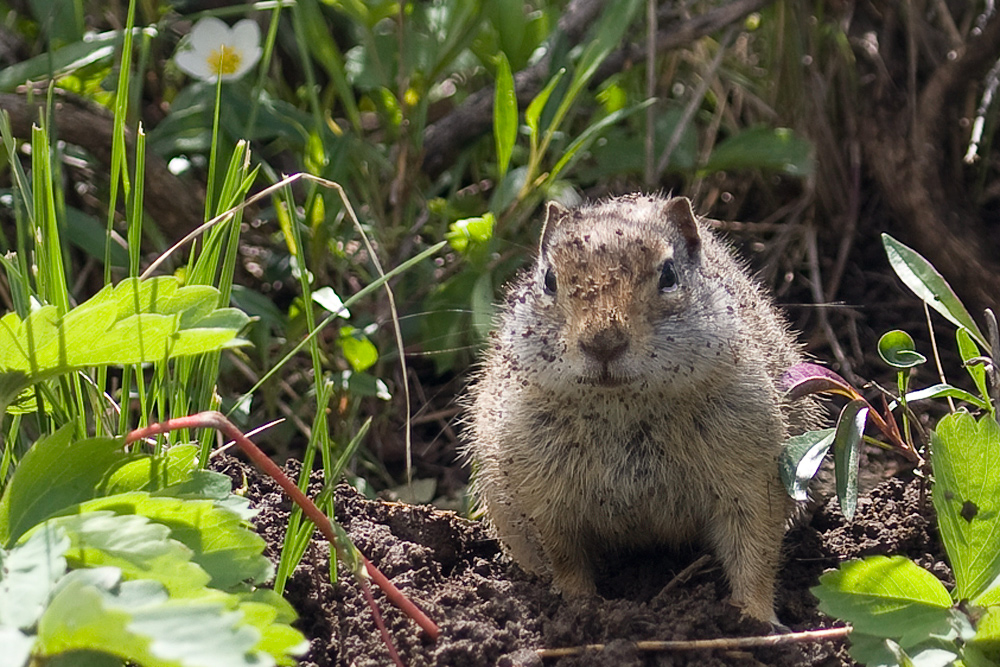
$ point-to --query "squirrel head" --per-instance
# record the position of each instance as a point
(618, 293)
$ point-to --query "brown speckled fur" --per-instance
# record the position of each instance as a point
(612, 414)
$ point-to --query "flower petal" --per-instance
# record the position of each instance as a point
(209, 33)
(245, 35)
(193, 63)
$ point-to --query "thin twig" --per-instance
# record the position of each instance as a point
(937, 355)
(723, 644)
(397, 331)
(684, 575)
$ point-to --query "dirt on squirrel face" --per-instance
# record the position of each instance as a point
(492, 613)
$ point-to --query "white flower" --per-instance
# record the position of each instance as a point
(213, 49)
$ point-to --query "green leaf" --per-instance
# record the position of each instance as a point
(55, 63)
(272, 615)
(360, 352)
(846, 446)
(607, 35)
(571, 154)
(801, 457)
(28, 573)
(54, 474)
(968, 349)
(95, 610)
(924, 280)
(886, 597)
(897, 349)
(469, 234)
(935, 652)
(775, 149)
(537, 105)
(984, 648)
(221, 542)
(152, 473)
(131, 323)
(942, 391)
(966, 497)
(133, 544)
(504, 115)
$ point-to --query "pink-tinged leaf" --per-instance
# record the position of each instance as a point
(805, 378)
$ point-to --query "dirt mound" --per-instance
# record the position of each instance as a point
(492, 613)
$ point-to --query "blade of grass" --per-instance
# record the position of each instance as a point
(118, 170)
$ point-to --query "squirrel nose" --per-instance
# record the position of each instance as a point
(605, 345)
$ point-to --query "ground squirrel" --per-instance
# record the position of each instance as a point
(630, 398)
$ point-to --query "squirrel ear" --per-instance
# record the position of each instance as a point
(554, 213)
(679, 214)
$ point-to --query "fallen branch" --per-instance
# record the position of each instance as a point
(724, 644)
(218, 421)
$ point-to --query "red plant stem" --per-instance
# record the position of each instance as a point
(218, 421)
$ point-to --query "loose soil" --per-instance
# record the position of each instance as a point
(492, 613)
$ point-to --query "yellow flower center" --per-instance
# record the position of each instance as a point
(224, 60)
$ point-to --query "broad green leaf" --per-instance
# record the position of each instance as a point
(271, 615)
(967, 499)
(969, 350)
(846, 446)
(774, 149)
(897, 652)
(210, 485)
(924, 280)
(28, 573)
(55, 473)
(133, 322)
(133, 544)
(983, 649)
(152, 473)
(886, 597)
(897, 349)
(504, 115)
(221, 542)
(137, 621)
(801, 457)
(934, 652)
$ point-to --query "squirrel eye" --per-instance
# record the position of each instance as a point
(550, 282)
(668, 277)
